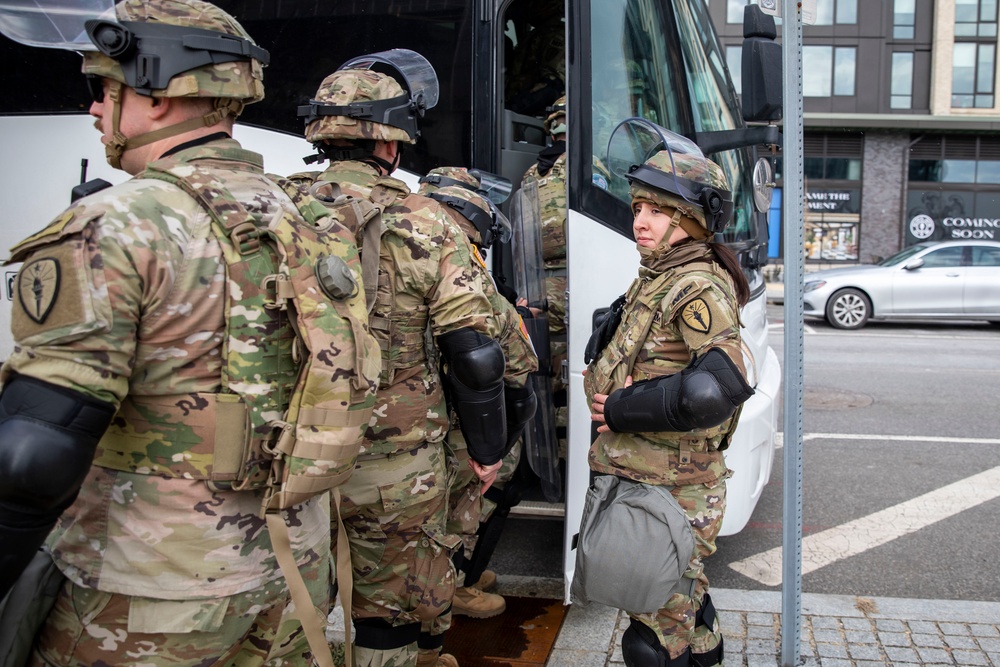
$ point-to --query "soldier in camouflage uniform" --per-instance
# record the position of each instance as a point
(430, 303)
(681, 314)
(131, 334)
(458, 189)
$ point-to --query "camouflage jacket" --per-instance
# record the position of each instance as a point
(552, 208)
(428, 284)
(138, 311)
(669, 318)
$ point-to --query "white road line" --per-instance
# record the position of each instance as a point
(779, 440)
(860, 535)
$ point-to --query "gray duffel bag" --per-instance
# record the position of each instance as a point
(634, 545)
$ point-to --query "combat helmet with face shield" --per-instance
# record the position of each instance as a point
(159, 48)
(377, 97)
(671, 172)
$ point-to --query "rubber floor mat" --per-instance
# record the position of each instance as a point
(521, 636)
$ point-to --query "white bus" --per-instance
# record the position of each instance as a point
(500, 63)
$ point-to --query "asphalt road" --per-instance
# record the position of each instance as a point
(901, 471)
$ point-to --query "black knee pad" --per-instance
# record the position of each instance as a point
(641, 648)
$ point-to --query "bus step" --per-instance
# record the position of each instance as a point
(539, 508)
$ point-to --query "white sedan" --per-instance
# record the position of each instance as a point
(930, 280)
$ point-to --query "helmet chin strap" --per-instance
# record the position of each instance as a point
(115, 149)
(675, 222)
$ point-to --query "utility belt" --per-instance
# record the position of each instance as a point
(557, 272)
(207, 436)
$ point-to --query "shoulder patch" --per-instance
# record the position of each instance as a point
(38, 287)
(697, 315)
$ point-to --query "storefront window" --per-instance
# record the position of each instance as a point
(937, 214)
(831, 224)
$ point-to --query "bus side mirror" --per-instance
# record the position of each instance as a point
(761, 67)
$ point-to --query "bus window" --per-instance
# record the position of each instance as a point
(630, 75)
(713, 102)
(534, 56)
(309, 40)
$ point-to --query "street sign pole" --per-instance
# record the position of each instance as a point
(794, 242)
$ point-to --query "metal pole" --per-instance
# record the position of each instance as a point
(794, 240)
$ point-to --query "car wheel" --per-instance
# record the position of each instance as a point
(848, 309)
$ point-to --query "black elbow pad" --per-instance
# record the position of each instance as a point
(474, 383)
(48, 435)
(521, 404)
(703, 395)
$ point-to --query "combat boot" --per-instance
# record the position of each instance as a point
(487, 581)
(432, 659)
(469, 601)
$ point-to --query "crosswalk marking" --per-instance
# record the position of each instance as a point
(779, 439)
(855, 537)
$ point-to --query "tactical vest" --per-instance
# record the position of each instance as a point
(618, 360)
(292, 447)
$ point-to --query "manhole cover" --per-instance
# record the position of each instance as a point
(834, 399)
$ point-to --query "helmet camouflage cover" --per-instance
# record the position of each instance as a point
(557, 111)
(475, 215)
(695, 168)
(440, 177)
(240, 79)
(347, 86)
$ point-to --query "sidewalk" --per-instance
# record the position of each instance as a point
(837, 631)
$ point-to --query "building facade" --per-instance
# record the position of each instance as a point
(901, 124)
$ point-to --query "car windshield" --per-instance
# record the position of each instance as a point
(902, 255)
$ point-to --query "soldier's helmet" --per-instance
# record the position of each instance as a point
(492, 186)
(161, 48)
(381, 96)
(670, 170)
(478, 217)
(555, 122)
(441, 177)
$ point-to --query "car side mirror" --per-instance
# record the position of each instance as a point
(914, 264)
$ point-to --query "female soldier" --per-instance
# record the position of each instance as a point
(679, 340)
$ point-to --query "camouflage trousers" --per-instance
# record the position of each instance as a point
(89, 627)
(467, 509)
(674, 623)
(395, 512)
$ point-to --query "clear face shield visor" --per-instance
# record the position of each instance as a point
(496, 188)
(642, 151)
(53, 24)
(416, 76)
